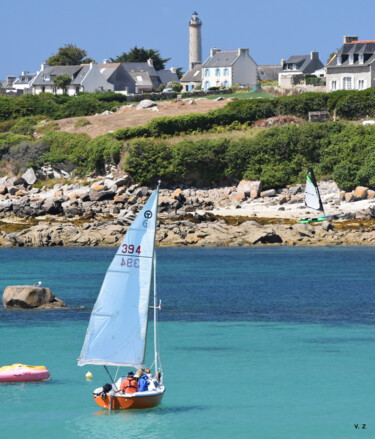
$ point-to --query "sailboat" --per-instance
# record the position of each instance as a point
(117, 331)
(313, 200)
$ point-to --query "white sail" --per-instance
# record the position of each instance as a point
(312, 196)
(116, 334)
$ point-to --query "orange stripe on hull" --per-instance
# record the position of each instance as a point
(128, 402)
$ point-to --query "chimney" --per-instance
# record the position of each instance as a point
(282, 62)
(43, 66)
(314, 55)
(105, 61)
(173, 69)
(243, 52)
(150, 62)
(213, 51)
(350, 39)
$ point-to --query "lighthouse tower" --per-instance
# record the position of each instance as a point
(195, 41)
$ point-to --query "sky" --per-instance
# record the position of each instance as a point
(32, 31)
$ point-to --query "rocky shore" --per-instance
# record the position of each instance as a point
(99, 213)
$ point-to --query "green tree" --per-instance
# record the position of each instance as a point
(141, 54)
(62, 81)
(69, 55)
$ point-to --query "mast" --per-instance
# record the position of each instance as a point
(155, 295)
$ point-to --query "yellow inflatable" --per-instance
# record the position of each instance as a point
(13, 366)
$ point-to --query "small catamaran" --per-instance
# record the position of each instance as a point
(117, 331)
(313, 200)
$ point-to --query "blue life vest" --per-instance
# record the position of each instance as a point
(142, 383)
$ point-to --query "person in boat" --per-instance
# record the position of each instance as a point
(148, 373)
(129, 385)
(143, 383)
(138, 374)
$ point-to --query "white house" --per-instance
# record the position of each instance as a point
(224, 69)
(84, 78)
(296, 67)
(24, 82)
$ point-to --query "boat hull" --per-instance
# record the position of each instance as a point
(30, 375)
(132, 401)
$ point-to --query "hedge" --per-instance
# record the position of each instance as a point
(278, 157)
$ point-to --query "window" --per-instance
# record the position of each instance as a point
(339, 60)
(206, 72)
(347, 82)
(207, 84)
(217, 72)
(360, 58)
(333, 85)
(47, 77)
(351, 59)
(361, 84)
(225, 72)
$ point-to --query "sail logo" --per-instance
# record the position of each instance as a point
(148, 214)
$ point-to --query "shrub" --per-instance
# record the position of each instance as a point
(101, 151)
(149, 161)
(81, 123)
(24, 126)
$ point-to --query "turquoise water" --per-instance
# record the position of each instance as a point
(261, 343)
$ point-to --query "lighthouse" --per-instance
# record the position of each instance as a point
(195, 41)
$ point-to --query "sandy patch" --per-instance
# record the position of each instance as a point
(130, 117)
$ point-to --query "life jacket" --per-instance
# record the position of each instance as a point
(143, 383)
(129, 385)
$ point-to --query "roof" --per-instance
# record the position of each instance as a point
(24, 78)
(77, 72)
(305, 63)
(221, 59)
(269, 72)
(166, 76)
(139, 66)
(193, 75)
(107, 69)
(142, 79)
(365, 48)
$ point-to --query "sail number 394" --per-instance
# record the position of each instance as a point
(130, 249)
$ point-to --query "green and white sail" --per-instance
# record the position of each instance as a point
(312, 195)
(116, 334)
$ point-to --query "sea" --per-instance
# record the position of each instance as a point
(274, 342)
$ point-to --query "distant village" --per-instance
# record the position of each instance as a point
(351, 68)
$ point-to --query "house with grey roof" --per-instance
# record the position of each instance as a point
(84, 78)
(353, 66)
(296, 67)
(24, 82)
(136, 77)
(192, 79)
(224, 69)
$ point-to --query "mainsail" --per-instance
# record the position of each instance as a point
(116, 334)
(312, 196)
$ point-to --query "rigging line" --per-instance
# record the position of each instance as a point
(110, 376)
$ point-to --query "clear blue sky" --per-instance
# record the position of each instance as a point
(31, 31)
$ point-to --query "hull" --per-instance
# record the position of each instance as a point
(128, 401)
(28, 375)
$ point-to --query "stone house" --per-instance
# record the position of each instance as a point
(224, 69)
(269, 72)
(296, 67)
(353, 67)
(84, 78)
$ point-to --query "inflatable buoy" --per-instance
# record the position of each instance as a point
(89, 375)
